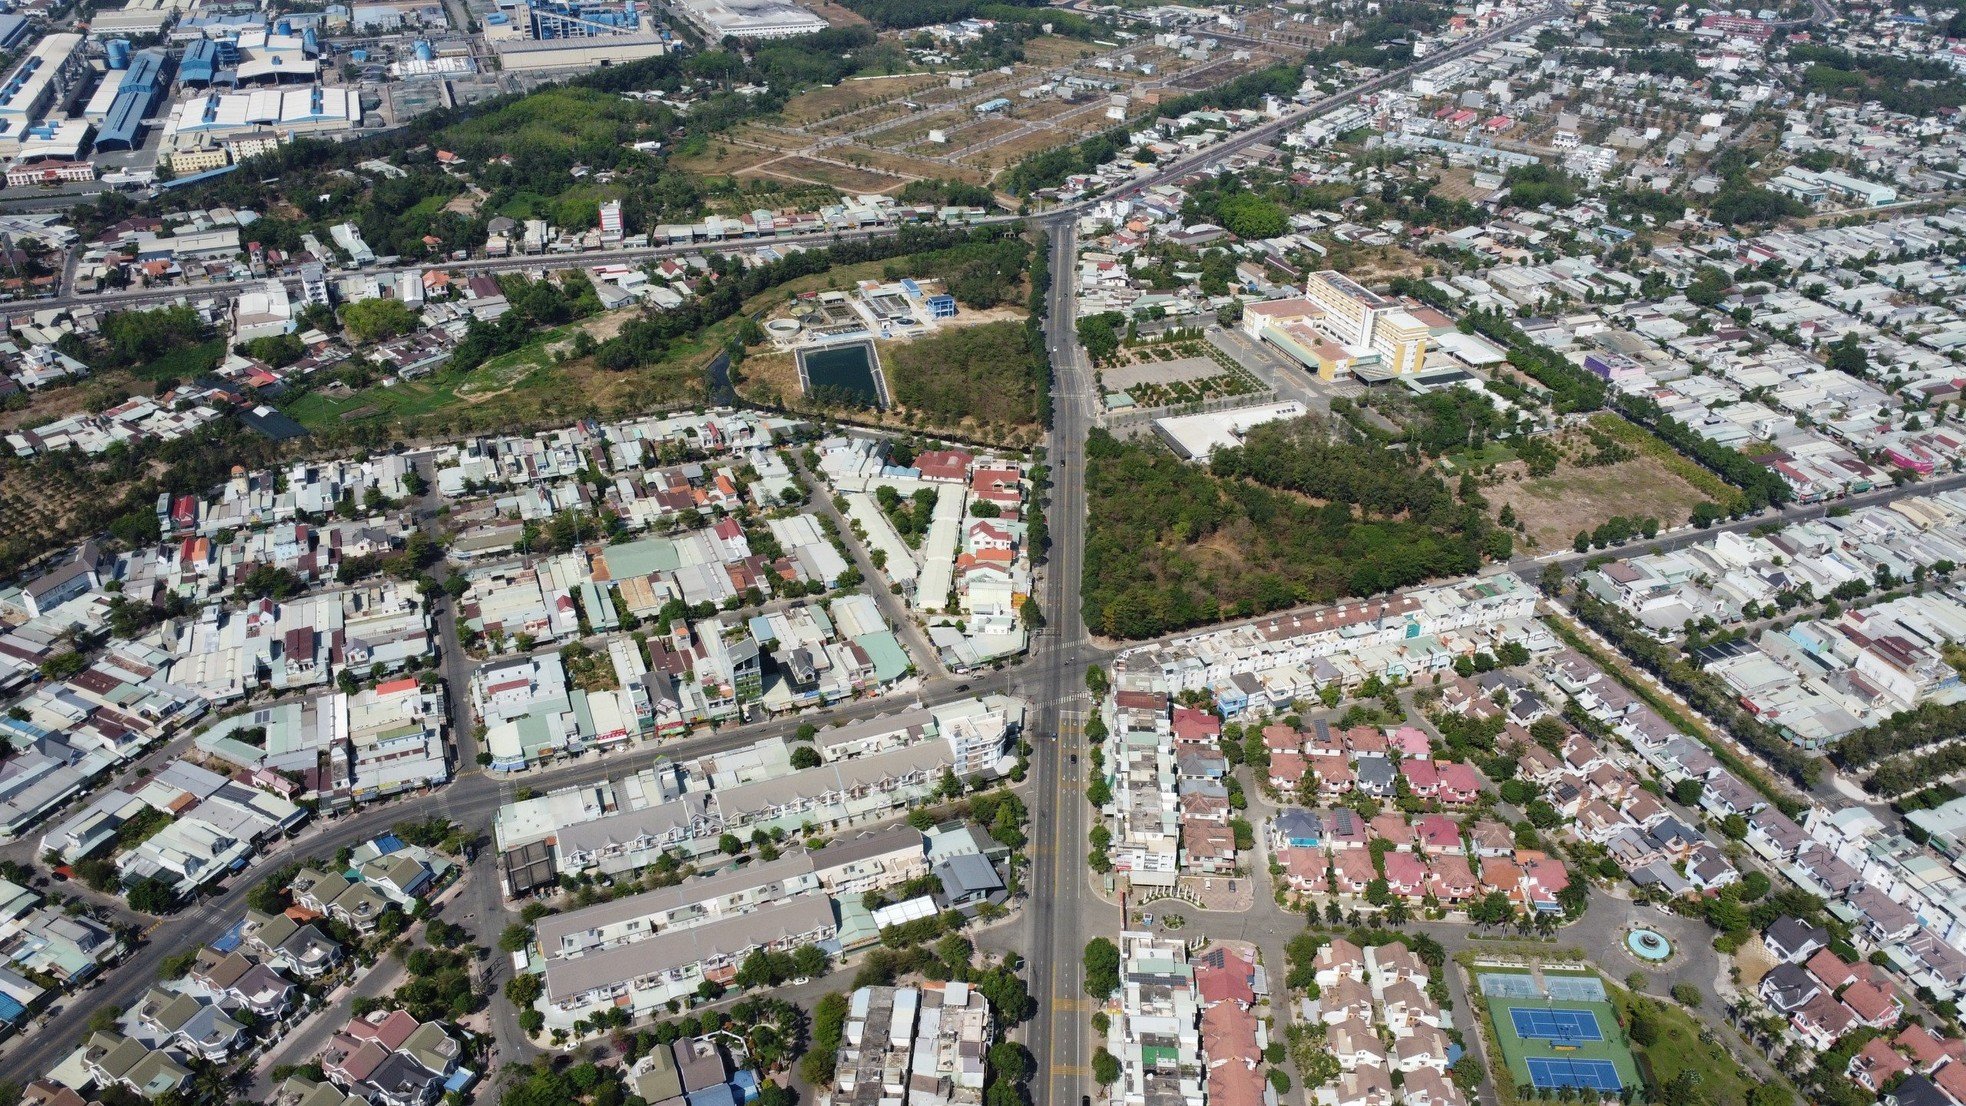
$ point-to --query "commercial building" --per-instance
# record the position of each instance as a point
(1338, 327)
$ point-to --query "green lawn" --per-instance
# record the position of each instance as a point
(185, 362)
(403, 400)
(1678, 1047)
(428, 206)
(1491, 453)
(524, 205)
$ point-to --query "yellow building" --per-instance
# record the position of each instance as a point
(1350, 309)
(1340, 328)
(199, 158)
(1401, 342)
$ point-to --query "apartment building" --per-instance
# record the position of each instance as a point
(643, 976)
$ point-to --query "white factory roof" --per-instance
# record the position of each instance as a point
(266, 107)
(32, 76)
(68, 140)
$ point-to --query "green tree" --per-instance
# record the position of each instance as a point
(152, 896)
(1105, 1067)
(376, 319)
(1102, 968)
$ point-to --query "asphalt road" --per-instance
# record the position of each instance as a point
(1062, 909)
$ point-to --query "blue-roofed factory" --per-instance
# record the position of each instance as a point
(125, 98)
(199, 66)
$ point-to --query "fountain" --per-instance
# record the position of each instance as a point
(1648, 944)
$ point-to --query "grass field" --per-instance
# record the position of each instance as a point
(527, 385)
(1678, 1047)
(1517, 1050)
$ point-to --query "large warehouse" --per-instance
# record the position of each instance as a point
(226, 115)
(43, 77)
(752, 18)
(124, 98)
(563, 34)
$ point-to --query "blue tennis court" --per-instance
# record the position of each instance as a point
(1555, 1025)
(1598, 1075)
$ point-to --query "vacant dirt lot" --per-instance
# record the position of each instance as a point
(1554, 508)
(824, 103)
(846, 178)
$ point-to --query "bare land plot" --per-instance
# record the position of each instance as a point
(1554, 508)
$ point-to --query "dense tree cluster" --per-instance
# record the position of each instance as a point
(919, 13)
(1903, 731)
(1910, 86)
(137, 337)
(1535, 185)
(996, 373)
(1290, 517)
(1739, 204)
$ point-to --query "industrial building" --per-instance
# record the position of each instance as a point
(13, 29)
(126, 96)
(565, 34)
(136, 19)
(227, 115)
(48, 74)
(216, 129)
(752, 18)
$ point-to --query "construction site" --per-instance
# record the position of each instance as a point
(875, 134)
